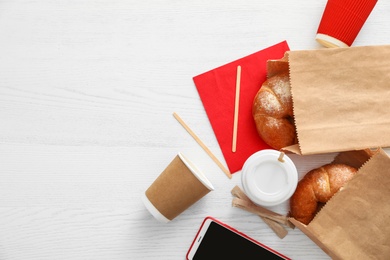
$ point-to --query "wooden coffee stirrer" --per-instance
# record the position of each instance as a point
(272, 219)
(243, 201)
(236, 106)
(225, 170)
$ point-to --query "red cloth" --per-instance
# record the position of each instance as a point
(217, 90)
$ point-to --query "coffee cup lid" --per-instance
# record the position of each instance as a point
(269, 179)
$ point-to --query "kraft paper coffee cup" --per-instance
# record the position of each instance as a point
(178, 187)
(342, 21)
(269, 177)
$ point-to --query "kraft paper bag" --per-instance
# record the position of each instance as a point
(341, 97)
(341, 104)
(354, 223)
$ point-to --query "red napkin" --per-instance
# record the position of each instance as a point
(217, 90)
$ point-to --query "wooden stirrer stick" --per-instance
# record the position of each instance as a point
(236, 106)
(197, 139)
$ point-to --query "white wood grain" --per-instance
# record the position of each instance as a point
(87, 91)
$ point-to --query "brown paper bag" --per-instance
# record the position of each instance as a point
(354, 224)
(341, 97)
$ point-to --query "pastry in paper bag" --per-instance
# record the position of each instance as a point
(340, 97)
(340, 101)
(354, 223)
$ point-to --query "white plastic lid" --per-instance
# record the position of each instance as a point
(268, 181)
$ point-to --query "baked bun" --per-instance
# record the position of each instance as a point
(272, 111)
(316, 188)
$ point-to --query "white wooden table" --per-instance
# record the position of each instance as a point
(87, 92)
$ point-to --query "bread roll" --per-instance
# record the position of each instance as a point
(272, 111)
(316, 188)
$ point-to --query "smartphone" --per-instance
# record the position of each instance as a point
(217, 240)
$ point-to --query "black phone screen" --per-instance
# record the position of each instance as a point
(222, 243)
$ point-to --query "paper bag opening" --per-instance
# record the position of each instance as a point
(340, 97)
(354, 223)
